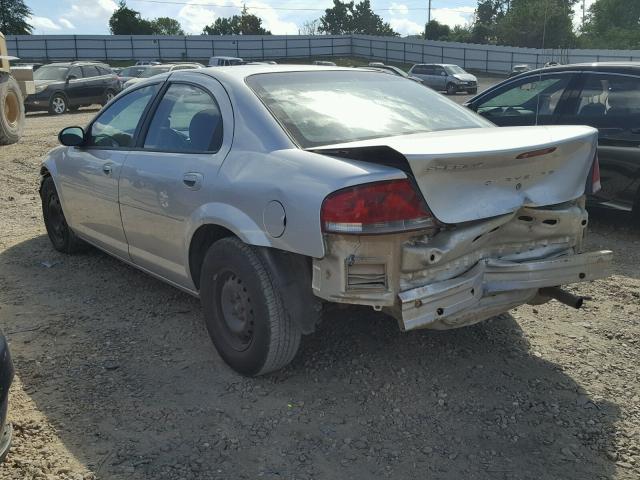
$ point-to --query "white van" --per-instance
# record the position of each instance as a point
(224, 61)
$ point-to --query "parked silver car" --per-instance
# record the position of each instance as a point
(269, 190)
(444, 77)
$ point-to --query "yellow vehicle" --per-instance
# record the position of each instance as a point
(15, 84)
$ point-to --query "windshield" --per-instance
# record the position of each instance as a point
(322, 108)
(132, 71)
(150, 72)
(397, 70)
(453, 69)
(51, 72)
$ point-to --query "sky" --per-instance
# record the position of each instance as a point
(281, 17)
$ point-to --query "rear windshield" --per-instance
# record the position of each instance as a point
(326, 107)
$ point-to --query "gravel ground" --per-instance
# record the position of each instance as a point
(116, 377)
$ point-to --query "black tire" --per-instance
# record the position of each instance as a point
(11, 110)
(473, 91)
(451, 89)
(62, 237)
(108, 95)
(74, 108)
(244, 312)
(58, 104)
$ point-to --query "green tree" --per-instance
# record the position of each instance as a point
(348, 17)
(243, 24)
(537, 24)
(166, 26)
(126, 21)
(488, 14)
(435, 30)
(14, 15)
(612, 24)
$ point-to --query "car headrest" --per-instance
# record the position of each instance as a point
(205, 130)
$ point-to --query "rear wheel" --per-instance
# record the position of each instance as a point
(244, 313)
(62, 237)
(451, 89)
(58, 104)
(11, 110)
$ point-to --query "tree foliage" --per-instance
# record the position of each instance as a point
(435, 30)
(166, 26)
(126, 21)
(612, 24)
(14, 16)
(244, 24)
(349, 17)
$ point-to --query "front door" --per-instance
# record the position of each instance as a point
(165, 182)
(89, 174)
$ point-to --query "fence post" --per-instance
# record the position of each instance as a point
(309, 45)
(286, 47)
(511, 61)
(333, 54)
(75, 46)
(106, 54)
(262, 43)
(404, 52)
(237, 48)
(370, 48)
(441, 54)
(464, 58)
(159, 51)
(213, 48)
(133, 55)
(422, 58)
(186, 50)
(386, 51)
(17, 47)
(537, 59)
(486, 61)
(46, 49)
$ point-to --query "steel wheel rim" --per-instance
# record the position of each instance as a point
(12, 109)
(236, 311)
(110, 96)
(56, 221)
(58, 105)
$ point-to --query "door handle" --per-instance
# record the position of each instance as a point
(107, 168)
(192, 180)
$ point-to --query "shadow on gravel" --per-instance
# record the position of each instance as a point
(121, 364)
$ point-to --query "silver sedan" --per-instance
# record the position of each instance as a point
(268, 191)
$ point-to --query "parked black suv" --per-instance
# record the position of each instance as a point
(602, 95)
(71, 85)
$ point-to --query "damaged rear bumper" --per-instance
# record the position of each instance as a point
(493, 286)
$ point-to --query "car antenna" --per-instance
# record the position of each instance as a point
(544, 33)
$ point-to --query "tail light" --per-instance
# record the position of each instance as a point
(593, 181)
(380, 207)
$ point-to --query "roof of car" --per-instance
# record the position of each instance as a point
(244, 71)
(616, 67)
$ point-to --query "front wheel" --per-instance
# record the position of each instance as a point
(58, 104)
(244, 312)
(451, 89)
(473, 91)
(62, 237)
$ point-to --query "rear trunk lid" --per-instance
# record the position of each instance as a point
(470, 174)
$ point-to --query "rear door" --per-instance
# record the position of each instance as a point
(93, 84)
(532, 100)
(611, 103)
(172, 172)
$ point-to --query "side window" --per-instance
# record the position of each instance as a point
(609, 96)
(75, 72)
(187, 119)
(116, 126)
(526, 98)
(90, 71)
(104, 71)
(428, 70)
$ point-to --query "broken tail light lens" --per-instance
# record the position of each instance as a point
(372, 208)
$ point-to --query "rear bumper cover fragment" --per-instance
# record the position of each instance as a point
(467, 293)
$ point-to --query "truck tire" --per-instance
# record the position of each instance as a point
(11, 110)
(244, 312)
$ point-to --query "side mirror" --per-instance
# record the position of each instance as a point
(71, 136)
(71, 77)
(443, 74)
